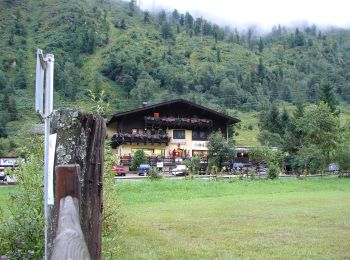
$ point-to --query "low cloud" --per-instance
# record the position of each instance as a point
(261, 14)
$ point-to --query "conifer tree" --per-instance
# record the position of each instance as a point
(327, 95)
(261, 45)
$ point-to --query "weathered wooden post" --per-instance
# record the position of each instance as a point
(80, 140)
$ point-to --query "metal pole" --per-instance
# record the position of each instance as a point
(48, 110)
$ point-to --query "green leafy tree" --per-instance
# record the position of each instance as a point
(194, 164)
(69, 80)
(320, 136)
(270, 139)
(219, 150)
(271, 120)
(273, 159)
(138, 158)
(145, 88)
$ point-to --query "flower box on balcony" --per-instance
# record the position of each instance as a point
(123, 138)
(178, 122)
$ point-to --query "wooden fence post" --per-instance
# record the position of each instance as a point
(80, 139)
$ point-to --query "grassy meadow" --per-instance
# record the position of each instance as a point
(196, 219)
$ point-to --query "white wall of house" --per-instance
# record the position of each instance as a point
(187, 143)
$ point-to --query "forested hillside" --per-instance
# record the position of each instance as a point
(112, 52)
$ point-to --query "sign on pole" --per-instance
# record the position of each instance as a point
(44, 71)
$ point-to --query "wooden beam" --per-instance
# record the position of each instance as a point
(69, 242)
(67, 183)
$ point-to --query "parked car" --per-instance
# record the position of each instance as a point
(179, 170)
(144, 169)
(119, 170)
(240, 167)
(3, 176)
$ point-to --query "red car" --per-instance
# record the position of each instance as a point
(119, 170)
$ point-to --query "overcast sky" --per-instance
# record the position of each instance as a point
(263, 13)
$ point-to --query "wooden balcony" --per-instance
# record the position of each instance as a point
(127, 138)
(173, 122)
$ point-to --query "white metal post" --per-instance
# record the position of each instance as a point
(49, 58)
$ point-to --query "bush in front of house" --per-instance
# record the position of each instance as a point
(154, 174)
(194, 164)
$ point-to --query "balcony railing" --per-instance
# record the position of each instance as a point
(152, 160)
(178, 122)
(124, 138)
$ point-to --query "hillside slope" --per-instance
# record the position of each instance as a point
(135, 56)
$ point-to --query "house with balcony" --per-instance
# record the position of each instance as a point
(170, 131)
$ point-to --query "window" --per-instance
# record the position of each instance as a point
(179, 134)
(199, 135)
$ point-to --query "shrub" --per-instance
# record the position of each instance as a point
(252, 173)
(273, 171)
(194, 164)
(154, 174)
(22, 228)
(113, 217)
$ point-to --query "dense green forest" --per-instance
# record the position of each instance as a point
(113, 53)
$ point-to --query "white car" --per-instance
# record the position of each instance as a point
(179, 170)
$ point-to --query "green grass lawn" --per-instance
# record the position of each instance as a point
(4, 191)
(196, 219)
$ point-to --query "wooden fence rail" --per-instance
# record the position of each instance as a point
(69, 242)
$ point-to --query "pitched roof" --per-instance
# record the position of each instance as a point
(230, 119)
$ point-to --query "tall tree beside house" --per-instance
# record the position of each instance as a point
(219, 150)
(138, 158)
(319, 129)
(342, 152)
